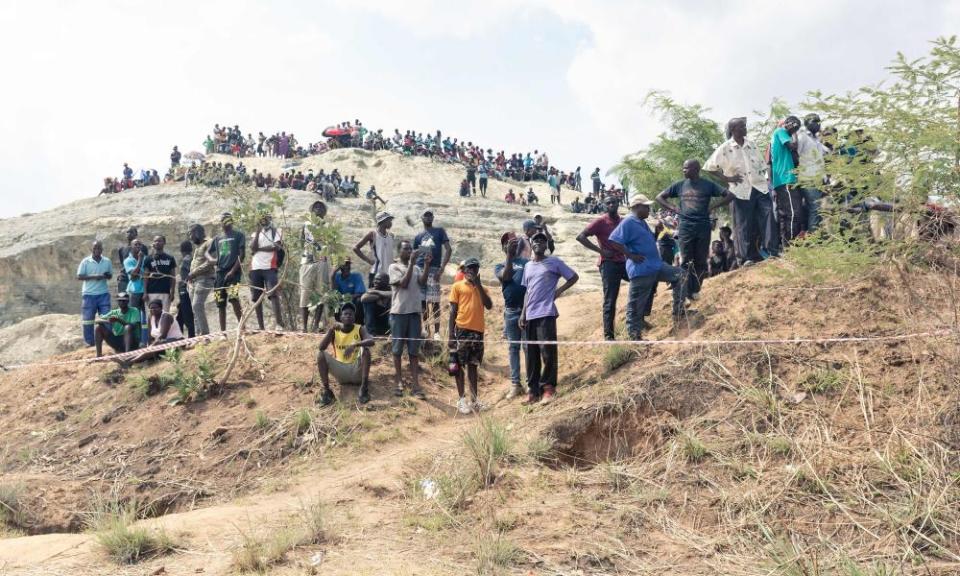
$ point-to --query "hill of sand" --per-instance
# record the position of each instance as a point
(39, 253)
(706, 459)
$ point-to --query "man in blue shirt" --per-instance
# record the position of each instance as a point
(644, 266)
(435, 238)
(94, 271)
(351, 285)
(694, 195)
(783, 178)
(510, 275)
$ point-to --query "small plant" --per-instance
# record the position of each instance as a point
(313, 520)
(694, 450)
(125, 543)
(617, 477)
(12, 513)
(779, 445)
(488, 445)
(495, 555)
(540, 448)
(824, 381)
(257, 555)
(263, 421)
(302, 420)
(616, 356)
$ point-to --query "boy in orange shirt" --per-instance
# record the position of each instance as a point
(468, 299)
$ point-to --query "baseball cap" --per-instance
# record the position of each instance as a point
(507, 236)
(349, 305)
(383, 217)
(123, 296)
(425, 212)
(539, 235)
(639, 199)
(528, 224)
(471, 262)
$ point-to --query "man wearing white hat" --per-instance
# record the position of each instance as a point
(634, 239)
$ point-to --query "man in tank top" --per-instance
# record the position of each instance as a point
(350, 361)
(381, 243)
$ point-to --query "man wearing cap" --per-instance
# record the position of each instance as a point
(200, 279)
(122, 254)
(381, 242)
(468, 300)
(539, 317)
(434, 240)
(93, 271)
(350, 361)
(813, 170)
(314, 269)
(227, 250)
(265, 249)
(612, 263)
(738, 163)
(119, 328)
(694, 194)
(636, 242)
(510, 275)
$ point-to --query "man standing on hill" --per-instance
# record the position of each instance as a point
(265, 248)
(738, 163)
(694, 194)
(539, 318)
(314, 270)
(160, 273)
(407, 280)
(184, 306)
(227, 250)
(174, 158)
(381, 244)
(122, 254)
(468, 299)
(783, 164)
(597, 184)
(432, 240)
(636, 242)
(133, 265)
(613, 267)
(201, 277)
(510, 275)
(813, 170)
(472, 177)
(94, 271)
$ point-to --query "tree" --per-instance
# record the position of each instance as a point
(689, 134)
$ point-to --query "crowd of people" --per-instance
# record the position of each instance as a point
(774, 200)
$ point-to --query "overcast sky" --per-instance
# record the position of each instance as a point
(90, 85)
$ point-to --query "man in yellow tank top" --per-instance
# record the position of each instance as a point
(350, 361)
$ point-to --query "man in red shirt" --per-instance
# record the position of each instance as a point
(613, 266)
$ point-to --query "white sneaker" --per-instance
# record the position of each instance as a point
(436, 337)
(515, 390)
(463, 406)
(695, 296)
(478, 406)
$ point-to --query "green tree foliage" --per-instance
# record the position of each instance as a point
(903, 135)
(689, 134)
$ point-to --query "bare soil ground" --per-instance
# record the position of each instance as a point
(707, 459)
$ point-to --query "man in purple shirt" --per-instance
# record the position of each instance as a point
(539, 317)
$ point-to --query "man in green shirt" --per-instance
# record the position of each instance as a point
(783, 178)
(120, 327)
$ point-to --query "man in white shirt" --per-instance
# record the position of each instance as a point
(739, 164)
(812, 168)
(266, 247)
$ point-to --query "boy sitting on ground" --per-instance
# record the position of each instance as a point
(350, 361)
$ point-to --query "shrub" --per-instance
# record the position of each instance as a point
(616, 356)
(12, 511)
(488, 445)
(495, 555)
(124, 542)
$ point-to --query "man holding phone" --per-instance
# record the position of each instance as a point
(94, 271)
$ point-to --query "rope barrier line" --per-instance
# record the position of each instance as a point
(135, 354)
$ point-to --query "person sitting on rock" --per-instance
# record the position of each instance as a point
(510, 197)
(119, 328)
(376, 306)
(350, 361)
